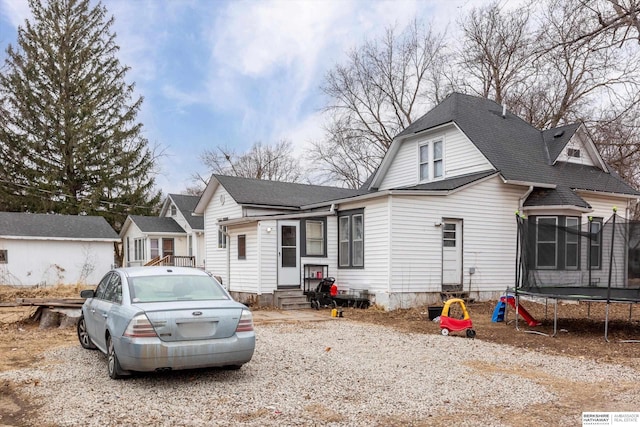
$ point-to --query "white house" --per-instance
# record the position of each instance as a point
(45, 250)
(438, 215)
(175, 237)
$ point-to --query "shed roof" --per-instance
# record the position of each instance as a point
(81, 227)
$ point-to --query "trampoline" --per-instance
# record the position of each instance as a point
(560, 259)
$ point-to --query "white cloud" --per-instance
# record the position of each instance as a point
(16, 11)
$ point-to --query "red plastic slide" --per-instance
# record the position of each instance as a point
(521, 311)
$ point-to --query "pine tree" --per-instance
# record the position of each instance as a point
(69, 139)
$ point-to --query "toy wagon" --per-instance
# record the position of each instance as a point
(449, 324)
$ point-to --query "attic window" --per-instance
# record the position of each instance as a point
(573, 152)
(173, 210)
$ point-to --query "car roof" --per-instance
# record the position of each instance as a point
(161, 270)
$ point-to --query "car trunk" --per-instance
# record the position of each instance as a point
(186, 321)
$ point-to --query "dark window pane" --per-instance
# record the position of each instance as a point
(289, 235)
(289, 257)
(546, 255)
(242, 246)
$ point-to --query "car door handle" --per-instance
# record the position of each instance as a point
(93, 310)
(104, 315)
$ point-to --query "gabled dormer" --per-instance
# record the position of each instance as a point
(572, 144)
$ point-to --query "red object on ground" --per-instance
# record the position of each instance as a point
(333, 291)
(521, 311)
(455, 324)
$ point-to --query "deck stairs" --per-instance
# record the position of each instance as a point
(290, 299)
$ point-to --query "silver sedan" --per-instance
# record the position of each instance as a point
(163, 318)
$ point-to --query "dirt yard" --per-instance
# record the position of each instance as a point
(580, 335)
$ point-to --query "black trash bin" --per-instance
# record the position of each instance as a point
(434, 312)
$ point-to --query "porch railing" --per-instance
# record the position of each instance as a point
(173, 260)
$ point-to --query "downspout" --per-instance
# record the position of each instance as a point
(226, 234)
(259, 290)
(523, 198)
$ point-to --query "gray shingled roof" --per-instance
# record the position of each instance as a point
(561, 196)
(450, 184)
(247, 191)
(519, 151)
(155, 224)
(21, 224)
(187, 204)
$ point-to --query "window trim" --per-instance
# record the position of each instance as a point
(222, 236)
(303, 237)
(555, 243)
(600, 222)
(431, 160)
(242, 246)
(350, 215)
(576, 243)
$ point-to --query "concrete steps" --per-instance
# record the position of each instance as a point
(293, 299)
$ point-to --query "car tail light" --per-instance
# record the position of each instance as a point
(246, 322)
(140, 326)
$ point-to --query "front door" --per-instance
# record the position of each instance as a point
(167, 248)
(452, 254)
(288, 254)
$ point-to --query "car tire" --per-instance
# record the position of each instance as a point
(232, 367)
(113, 365)
(83, 335)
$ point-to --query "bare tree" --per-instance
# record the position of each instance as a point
(496, 53)
(270, 162)
(384, 86)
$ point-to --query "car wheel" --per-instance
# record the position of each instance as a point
(471, 333)
(444, 332)
(83, 335)
(113, 365)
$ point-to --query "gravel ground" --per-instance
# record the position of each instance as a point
(339, 373)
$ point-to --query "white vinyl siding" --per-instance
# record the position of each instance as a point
(244, 272)
(576, 146)
(55, 262)
(460, 157)
(488, 241)
(216, 257)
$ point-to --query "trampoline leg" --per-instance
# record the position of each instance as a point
(555, 320)
(630, 308)
(606, 323)
(589, 310)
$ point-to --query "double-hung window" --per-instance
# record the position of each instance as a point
(138, 246)
(431, 162)
(351, 239)
(595, 244)
(222, 236)
(557, 242)
(314, 236)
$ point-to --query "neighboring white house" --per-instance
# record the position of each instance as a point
(175, 237)
(45, 250)
(438, 214)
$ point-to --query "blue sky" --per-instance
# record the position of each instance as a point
(230, 73)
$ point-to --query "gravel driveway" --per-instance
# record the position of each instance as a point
(336, 372)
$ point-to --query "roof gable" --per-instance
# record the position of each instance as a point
(186, 204)
(516, 149)
(81, 227)
(154, 224)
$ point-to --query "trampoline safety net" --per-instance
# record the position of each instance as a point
(557, 254)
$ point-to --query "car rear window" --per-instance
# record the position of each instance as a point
(175, 288)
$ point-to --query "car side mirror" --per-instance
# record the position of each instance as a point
(87, 293)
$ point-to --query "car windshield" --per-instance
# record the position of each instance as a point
(175, 288)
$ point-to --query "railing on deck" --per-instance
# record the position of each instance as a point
(173, 260)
